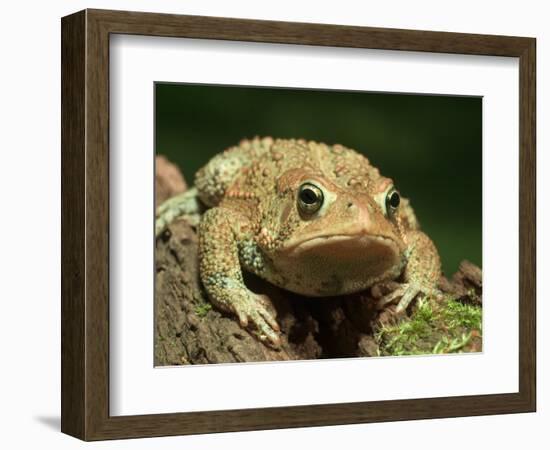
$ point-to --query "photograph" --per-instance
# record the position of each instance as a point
(303, 224)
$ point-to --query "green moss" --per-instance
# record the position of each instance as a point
(457, 314)
(446, 345)
(202, 309)
(445, 326)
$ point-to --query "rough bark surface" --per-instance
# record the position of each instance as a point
(188, 330)
(168, 179)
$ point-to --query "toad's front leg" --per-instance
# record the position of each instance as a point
(421, 273)
(221, 275)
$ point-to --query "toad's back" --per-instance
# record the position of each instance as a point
(258, 162)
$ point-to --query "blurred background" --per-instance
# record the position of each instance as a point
(429, 145)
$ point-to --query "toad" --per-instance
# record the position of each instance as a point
(315, 219)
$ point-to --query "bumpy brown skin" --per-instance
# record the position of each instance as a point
(255, 222)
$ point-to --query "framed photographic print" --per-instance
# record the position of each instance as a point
(272, 224)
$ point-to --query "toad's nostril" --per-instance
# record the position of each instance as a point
(350, 204)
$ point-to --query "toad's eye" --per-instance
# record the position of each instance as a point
(392, 201)
(310, 198)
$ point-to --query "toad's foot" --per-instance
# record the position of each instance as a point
(407, 292)
(254, 313)
(185, 205)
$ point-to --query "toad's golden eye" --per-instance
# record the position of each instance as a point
(310, 198)
(392, 201)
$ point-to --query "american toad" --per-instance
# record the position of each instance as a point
(315, 219)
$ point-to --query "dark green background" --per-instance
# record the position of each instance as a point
(429, 145)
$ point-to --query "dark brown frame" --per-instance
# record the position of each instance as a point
(85, 224)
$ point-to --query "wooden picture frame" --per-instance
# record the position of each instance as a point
(85, 224)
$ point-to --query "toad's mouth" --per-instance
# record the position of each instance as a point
(346, 247)
(337, 264)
